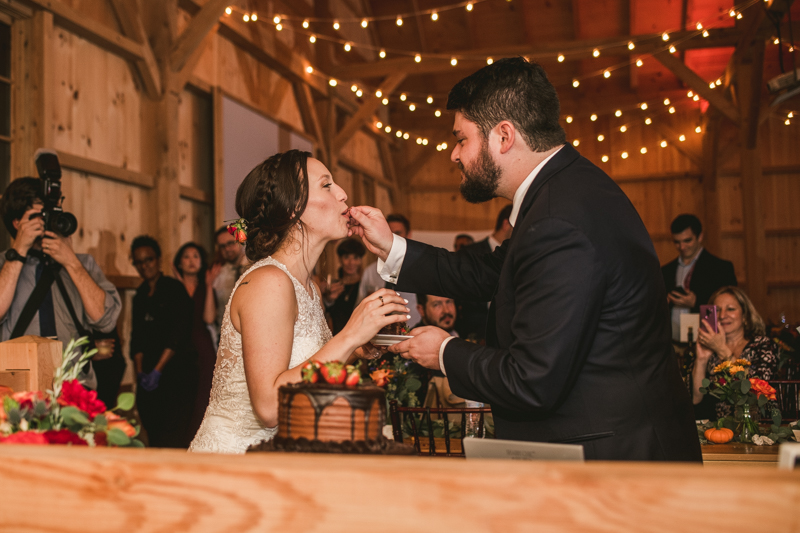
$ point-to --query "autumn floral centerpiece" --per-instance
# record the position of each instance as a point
(68, 413)
(751, 398)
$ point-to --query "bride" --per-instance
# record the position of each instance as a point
(274, 321)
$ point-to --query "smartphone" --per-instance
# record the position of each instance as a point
(709, 314)
(679, 289)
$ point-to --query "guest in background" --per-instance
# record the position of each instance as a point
(230, 255)
(440, 312)
(371, 281)
(340, 296)
(472, 314)
(695, 274)
(462, 240)
(162, 352)
(191, 269)
(740, 335)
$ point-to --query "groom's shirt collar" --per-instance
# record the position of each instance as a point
(524, 186)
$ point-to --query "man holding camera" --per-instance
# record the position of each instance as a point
(94, 300)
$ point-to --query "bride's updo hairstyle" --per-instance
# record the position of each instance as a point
(271, 199)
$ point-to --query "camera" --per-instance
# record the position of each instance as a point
(55, 218)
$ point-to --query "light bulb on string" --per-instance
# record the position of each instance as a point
(424, 142)
(228, 11)
(593, 117)
(305, 24)
(417, 58)
(738, 16)
(643, 150)
(246, 17)
(624, 155)
(489, 60)
(312, 39)
(429, 99)
(631, 46)
(666, 101)
(623, 128)
(406, 136)
(403, 97)
(606, 73)
(379, 125)
(663, 144)
(698, 129)
(639, 62)
(695, 98)
(665, 36)
(309, 69)
(254, 17)
(437, 113)
(568, 119)
(618, 113)
(776, 41)
(335, 24)
(399, 21)
(388, 129)
(682, 138)
(643, 106)
(732, 13)
(444, 146)
(672, 109)
(601, 137)
(332, 82)
(434, 16)
(278, 27)
(382, 53)
(378, 93)
(364, 23)
(787, 121)
(790, 115)
(699, 26)
(719, 81)
(690, 94)
(575, 83)
(596, 52)
(398, 133)
(576, 142)
(648, 121)
(419, 140)
(560, 58)
(347, 47)
(359, 93)
(469, 6)
(354, 87)
(672, 49)
(705, 33)
(412, 107)
(453, 61)
(276, 19)
(712, 85)
(604, 159)
(385, 101)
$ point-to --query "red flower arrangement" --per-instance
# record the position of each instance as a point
(74, 394)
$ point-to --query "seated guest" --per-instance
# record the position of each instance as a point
(740, 335)
(340, 296)
(472, 315)
(440, 312)
(371, 281)
(161, 349)
(191, 269)
(462, 240)
(695, 274)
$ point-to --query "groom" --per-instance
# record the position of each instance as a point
(578, 339)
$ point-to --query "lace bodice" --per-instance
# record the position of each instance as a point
(230, 425)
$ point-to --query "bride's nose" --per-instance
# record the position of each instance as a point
(342, 195)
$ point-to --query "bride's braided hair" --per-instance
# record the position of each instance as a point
(272, 199)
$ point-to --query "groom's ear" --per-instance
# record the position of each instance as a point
(506, 134)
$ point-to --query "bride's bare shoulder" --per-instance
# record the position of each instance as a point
(267, 278)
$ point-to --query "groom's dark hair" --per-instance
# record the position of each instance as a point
(516, 90)
(271, 200)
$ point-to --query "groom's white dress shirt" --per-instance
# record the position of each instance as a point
(390, 269)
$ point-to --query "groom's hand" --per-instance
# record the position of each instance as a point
(369, 224)
(423, 349)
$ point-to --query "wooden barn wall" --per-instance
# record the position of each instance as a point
(661, 184)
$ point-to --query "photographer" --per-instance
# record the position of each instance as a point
(93, 298)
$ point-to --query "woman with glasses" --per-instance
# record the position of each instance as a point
(165, 363)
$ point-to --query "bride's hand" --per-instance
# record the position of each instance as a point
(375, 313)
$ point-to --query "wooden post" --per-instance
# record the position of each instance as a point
(711, 221)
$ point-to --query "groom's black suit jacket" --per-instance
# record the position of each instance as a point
(579, 337)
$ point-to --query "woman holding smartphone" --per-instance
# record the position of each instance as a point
(739, 334)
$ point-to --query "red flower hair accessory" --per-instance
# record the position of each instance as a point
(238, 228)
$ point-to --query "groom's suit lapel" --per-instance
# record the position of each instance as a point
(561, 160)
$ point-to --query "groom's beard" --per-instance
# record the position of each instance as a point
(480, 178)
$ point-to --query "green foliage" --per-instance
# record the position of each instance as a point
(125, 401)
(117, 437)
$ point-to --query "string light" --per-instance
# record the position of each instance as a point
(382, 53)
(469, 6)
(406, 136)
(399, 21)
(623, 128)
(246, 17)
(560, 58)
(568, 119)
(604, 159)
(417, 58)
(576, 142)
(305, 24)
(347, 47)
(359, 93)
(601, 137)
(666, 101)
(378, 93)
(648, 121)
(434, 16)
(618, 113)
(643, 106)
(437, 113)
(398, 134)
(354, 87)
(699, 26)
(738, 16)
(790, 115)
(695, 98)
(453, 61)
(719, 81)
(419, 140)
(387, 129)
(705, 33)
(424, 142)
(276, 19)
(663, 144)
(228, 11)
(379, 125)
(335, 24)
(776, 41)
(672, 109)
(672, 49)
(403, 97)
(364, 23)
(332, 82)
(665, 36)
(429, 99)
(278, 27)
(489, 60)
(596, 52)
(698, 129)
(732, 13)
(787, 121)
(575, 83)
(712, 85)
(690, 94)
(606, 73)
(313, 39)
(412, 107)
(624, 155)
(593, 117)
(310, 69)
(254, 17)
(385, 101)
(631, 46)
(444, 146)
(643, 150)
(639, 62)
(682, 138)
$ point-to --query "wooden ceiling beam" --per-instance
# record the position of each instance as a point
(94, 32)
(715, 97)
(130, 20)
(311, 122)
(365, 112)
(612, 46)
(674, 139)
(202, 23)
(275, 55)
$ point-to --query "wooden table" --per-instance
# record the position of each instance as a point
(75, 489)
(738, 454)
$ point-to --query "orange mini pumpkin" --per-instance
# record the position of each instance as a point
(718, 435)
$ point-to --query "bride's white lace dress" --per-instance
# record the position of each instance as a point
(230, 425)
